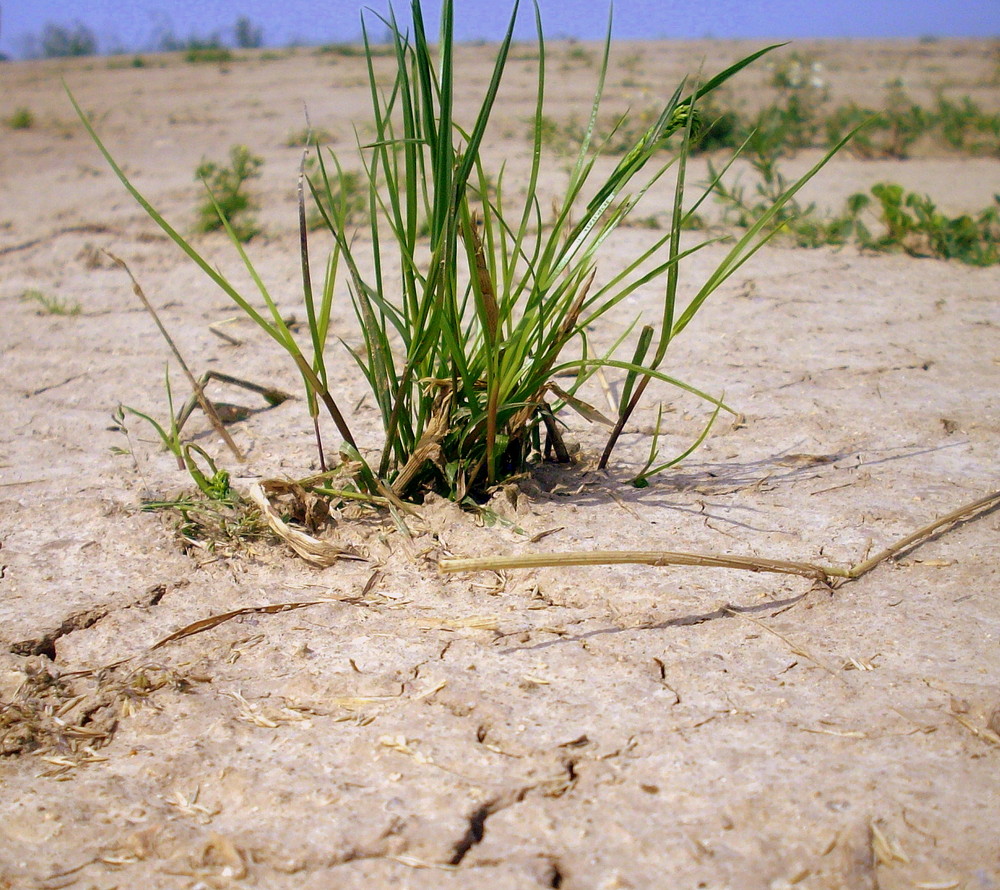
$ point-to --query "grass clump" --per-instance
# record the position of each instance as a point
(471, 299)
(21, 119)
(49, 304)
(229, 204)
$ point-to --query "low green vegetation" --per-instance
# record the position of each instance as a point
(21, 119)
(885, 219)
(49, 304)
(230, 204)
(120, 61)
(208, 52)
(891, 219)
(354, 50)
(802, 118)
(309, 136)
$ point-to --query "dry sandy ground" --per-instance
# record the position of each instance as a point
(580, 728)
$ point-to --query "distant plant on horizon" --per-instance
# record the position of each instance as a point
(248, 35)
(62, 41)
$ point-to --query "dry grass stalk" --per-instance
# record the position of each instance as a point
(311, 549)
(215, 620)
(822, 573)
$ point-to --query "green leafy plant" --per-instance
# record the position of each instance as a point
(21, 119)
(489, 301)
(967, 128)
(911, 223)
(229, 204)
(215, 515)
(49, 304)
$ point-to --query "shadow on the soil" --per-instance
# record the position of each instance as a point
(727, 610)
(589, 487)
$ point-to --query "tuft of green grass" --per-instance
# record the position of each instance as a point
(471, 299)
(49, 304)
(229, 204)
(21, 119)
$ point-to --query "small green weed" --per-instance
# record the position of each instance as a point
(798, 72)
(116, 63)
(50, 305)
(309, 136)
(794, 220)
(347, 199)
(885, 219)
(214, 518)
(229, 204)
(967, 128)
(21, 119)
(580, 55)
(911, 223)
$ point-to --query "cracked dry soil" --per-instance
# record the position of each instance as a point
(578, 728)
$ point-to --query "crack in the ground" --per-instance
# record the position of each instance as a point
(476, 830)
(556, 875)
(45, 645)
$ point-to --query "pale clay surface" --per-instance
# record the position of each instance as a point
(579, 728)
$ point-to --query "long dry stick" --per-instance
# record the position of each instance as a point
(826, 574)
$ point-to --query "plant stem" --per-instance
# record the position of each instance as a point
(821, 573)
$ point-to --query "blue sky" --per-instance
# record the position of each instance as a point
(134, 24)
